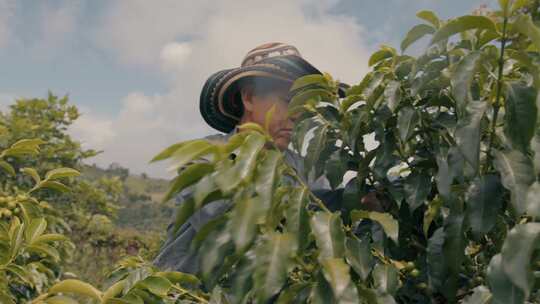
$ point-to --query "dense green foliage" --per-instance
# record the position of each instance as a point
(455, 168)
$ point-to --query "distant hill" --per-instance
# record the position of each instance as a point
(141, 206)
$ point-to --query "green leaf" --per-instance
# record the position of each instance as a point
(20, 272)
(417, 32)
(517, 253)
(329, 234)
(169, 151)
(61, 173)
(484, 202)
(7, 167)
(468, 133)
(32, 173)
(300, 99)
(525, 25)
(113, 291)
(481, 295)
(188, 177)
(179, 277)
(386, 278)
(61, 300)
(45, 249)
(35, 229)
(436, 264)
(191, 151)
(336, 273)
(358, 254)
(267, 175)
(408, 118)
(315, 147)
(297, 216)
(183, 212)
(430, 17)
(310, 80)
(389, 224)
(244, 221)
(392, 94)
(431, 212)
(533, 200)
(244, 165)
(335, 169)
(273, 263)
(417, 188)
(380, 55)
(503, 290)
(77, 287)
(462, 78)
(520, 114)
(462, 24)
(157, 285)
(517, 175)
(53, 185)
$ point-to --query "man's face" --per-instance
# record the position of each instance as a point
(257, 105)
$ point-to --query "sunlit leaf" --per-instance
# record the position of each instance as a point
(389, 224)
(416, 33)
(462, 24)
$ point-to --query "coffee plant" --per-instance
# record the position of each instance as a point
(455, 170)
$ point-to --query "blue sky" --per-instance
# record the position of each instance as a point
(135, 67)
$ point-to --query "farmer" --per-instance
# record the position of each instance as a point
(230, 98)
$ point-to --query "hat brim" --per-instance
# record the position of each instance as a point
(220, 101)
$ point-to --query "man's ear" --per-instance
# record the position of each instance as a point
(247, 98)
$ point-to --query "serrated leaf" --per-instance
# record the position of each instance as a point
(462, 24)
(329, 235)
(417, 32)
(389, 224)
(517, 263)
(77, 287)
(520, 114)
(484, 202)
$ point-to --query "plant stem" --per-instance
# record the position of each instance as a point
(497, 103)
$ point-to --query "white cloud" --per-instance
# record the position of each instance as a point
(191, 40)
(174, 55)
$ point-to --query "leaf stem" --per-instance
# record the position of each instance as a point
(186, 292)
(497, 103)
